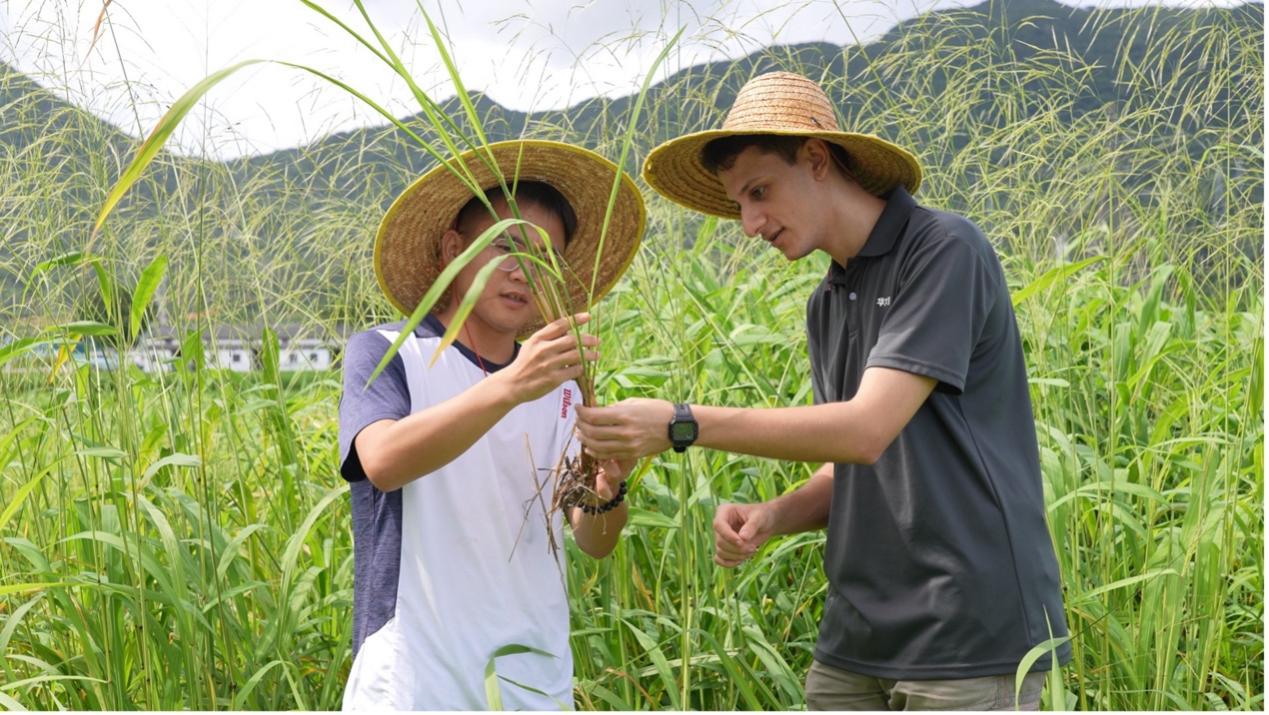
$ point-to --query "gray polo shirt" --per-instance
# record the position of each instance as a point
(939, 561)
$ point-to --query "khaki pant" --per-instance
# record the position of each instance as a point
(829, 688)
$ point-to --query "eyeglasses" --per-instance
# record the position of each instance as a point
(505, 247)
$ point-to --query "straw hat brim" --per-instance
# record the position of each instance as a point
(674, 169)
(407, 254)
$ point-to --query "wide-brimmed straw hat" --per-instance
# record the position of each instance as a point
(780, 103)
(408, 246)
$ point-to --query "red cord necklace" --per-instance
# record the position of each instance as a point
(481, 363)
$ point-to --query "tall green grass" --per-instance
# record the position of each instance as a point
(181, 539)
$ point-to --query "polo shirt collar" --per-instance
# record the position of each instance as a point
(893, 219)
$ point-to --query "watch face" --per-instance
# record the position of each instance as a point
(682, 431)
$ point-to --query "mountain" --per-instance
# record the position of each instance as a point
(1022, 31)
(1168, 79)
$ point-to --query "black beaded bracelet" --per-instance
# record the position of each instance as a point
(606, 506)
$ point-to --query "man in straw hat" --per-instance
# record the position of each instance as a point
(450, 456)
(941, 572)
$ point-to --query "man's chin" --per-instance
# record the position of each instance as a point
(500, 322)
(516, 325)
(795, 253)
(515, 321)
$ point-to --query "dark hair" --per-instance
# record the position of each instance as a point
(720, 154)
(539, 193)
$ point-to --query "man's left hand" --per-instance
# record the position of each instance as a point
(627, 430)
(611, 473)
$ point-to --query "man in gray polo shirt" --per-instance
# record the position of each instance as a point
(941, 571)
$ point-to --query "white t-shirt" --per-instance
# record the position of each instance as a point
(466, 546)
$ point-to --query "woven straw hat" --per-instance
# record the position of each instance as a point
(776, 103)
(408, 246)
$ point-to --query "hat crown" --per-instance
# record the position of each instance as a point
(407, 251)
(781, 101)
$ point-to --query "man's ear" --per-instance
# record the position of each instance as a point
(816, 156)
(822, 159)
(451, 245)
(819, 158)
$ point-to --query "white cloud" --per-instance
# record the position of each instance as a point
(526, 54)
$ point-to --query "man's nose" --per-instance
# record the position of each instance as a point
(751, 220)
(517, 273)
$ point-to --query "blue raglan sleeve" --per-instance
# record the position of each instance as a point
(388, 397)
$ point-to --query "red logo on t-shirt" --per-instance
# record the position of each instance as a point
(568, 400)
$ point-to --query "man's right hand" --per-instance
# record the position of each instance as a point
(548, 358)
(740, 530)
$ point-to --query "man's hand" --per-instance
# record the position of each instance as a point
(611, 473)
(740, 530)
(547, 359)
(627, 430)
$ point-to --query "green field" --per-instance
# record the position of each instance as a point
(182, 539)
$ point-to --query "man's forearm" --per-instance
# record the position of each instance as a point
(597, 534)
(834, 432)
(856, 431)
(806, 508)
(393, 455)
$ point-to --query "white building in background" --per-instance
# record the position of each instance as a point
(240, 348)
(236, 349)
(232, 354)
(156, 351)
(305, 354)
(150, 360)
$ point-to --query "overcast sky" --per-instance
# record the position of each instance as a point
(526, 54)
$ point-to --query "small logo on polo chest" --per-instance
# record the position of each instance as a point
(883, 302)
(568, 400)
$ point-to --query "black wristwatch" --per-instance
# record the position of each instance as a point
(683, 428)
